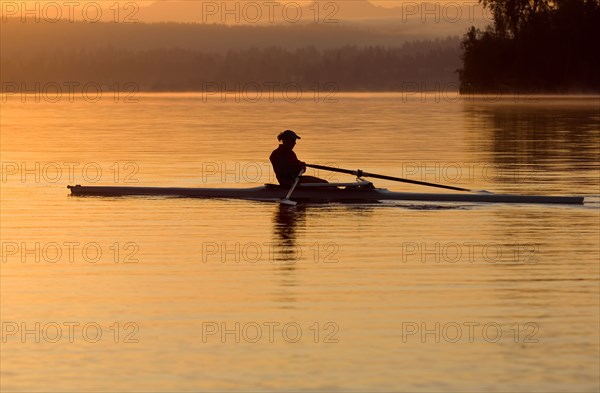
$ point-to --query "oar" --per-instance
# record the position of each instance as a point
(286, 200)
(359, 173)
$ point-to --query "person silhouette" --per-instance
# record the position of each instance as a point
(286, 164)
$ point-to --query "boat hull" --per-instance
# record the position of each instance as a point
(325, 194)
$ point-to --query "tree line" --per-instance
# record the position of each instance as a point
(419, 64)
(214, 38)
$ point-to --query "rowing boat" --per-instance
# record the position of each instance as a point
(361, 191)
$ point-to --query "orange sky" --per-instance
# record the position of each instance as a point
(142, 3)
(178, 13)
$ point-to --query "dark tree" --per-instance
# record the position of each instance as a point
(535, 46)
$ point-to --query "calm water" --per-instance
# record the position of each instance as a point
(163, 294)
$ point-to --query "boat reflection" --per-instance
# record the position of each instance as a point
(285, 224)
(286, 252)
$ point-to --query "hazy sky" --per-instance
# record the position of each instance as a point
(144, 3)
(437, 17)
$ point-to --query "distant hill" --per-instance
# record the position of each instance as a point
(184, 57)
(317, 11)
(419, 19)
(257, 11)
(61, 36)
(414, 20)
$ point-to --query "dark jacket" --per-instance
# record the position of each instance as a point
(285, 164)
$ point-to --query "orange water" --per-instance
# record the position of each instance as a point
(380, 292)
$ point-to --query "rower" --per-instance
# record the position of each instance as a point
(286, 164)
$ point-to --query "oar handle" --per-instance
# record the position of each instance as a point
(360, 173)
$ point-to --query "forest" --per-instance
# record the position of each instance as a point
(538, 46)
(71, 53)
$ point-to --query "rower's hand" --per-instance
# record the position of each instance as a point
(303, 165)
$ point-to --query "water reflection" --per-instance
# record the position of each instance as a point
(286, 251)
(285, 224)
(536, 133)
(369, 292)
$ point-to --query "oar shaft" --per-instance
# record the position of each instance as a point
(289, 194)
(287, 200)
(384, 177)
(422, 183)
(333, 169)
